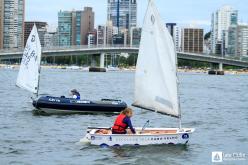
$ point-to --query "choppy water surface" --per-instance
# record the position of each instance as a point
(215, 105)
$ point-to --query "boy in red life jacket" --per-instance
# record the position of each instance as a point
(123, 121)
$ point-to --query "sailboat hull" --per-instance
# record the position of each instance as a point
(151, 136)
(58, 105)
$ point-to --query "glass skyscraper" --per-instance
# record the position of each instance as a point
(74, 26)
(65, 28)
(238, 40)
(122, 13)
(78, 27)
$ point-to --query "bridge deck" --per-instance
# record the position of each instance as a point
(85, 50)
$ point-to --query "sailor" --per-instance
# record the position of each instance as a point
(75, 94)
(122, 122)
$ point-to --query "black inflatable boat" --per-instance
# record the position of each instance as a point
(61, 105)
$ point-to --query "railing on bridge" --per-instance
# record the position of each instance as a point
(86, 47)
(227, 57)
(78, 47)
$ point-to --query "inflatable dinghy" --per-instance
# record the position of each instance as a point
(62, 105)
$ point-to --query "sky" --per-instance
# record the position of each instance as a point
(185, 13)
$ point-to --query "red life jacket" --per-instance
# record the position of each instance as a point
(119, 126)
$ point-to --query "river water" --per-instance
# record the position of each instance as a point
(215, 105)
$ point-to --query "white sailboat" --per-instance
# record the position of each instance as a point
(28, 79)
(29, 73)
(156, 89)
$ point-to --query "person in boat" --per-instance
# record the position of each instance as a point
(75, 94)
(122, 122)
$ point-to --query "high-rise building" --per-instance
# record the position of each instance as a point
(1, 22)
(101, 35)
(121, 38)
(177, 37)
(41, 28)
(51, 39)
(87, 24)
(118, 39)
(122, 13)
(135, 36)
(170, 27)
(175, 32)
(76, 27)
(221, 20)
(73, 26)
(110, 32)
(105, 34)
(92, 38)
(12, 23)
(238, 40)
(65, 28)
(192, 40)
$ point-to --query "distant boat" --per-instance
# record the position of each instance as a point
(73, 67)
(112, 69)
(9, 67)
(29, 78)
(156, 89)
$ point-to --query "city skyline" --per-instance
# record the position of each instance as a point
(200, 16)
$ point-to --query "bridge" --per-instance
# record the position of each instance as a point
(6, 54)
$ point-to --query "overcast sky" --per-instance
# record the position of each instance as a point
(183, 12)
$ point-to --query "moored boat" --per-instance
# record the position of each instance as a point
(62, 105)
(97, 69)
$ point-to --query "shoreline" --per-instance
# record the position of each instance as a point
(73, 67)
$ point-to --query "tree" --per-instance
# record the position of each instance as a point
(207, 35)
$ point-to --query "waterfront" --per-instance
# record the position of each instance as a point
(215, 105)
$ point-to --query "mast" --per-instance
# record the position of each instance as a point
(178, 96)
(38, 85)
(39, 69)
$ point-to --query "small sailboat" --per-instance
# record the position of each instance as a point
(29, 72)
(29, 78)
(156, 89)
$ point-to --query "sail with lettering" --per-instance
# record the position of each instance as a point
(28, 76)
(156, 71)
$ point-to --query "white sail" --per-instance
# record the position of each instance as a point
(156, 72)
(28, 77)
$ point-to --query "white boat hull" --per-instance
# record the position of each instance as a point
(170, 136)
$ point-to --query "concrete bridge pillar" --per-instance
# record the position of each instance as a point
(102, 59)
(220, 66)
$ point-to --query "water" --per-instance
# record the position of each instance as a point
(215, 105)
